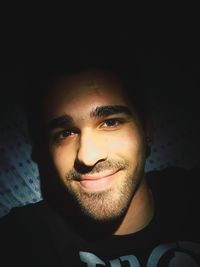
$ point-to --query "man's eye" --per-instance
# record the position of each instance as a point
(64, 134)
(112, 123)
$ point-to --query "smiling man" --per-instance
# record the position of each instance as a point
(91, 136)
(98, 148)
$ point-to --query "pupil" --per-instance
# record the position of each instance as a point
(111, 122)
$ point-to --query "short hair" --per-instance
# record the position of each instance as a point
(41, 81)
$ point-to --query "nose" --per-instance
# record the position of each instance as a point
(91, 148)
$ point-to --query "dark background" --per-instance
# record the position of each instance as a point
(168, 56)
(168, 53)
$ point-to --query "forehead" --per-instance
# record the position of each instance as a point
(82, 92)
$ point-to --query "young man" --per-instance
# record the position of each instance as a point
(100, 208)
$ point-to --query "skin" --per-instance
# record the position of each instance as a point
(99, 159)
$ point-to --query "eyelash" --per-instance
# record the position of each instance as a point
(69, 133)
(118, 121)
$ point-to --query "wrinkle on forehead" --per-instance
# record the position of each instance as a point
(91, 78)
(76, 90)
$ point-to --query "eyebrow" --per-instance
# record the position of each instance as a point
(99, 111)
(60, 122)
(104, 111)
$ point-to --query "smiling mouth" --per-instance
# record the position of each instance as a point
(98, 181)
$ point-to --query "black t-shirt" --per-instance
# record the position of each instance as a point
(35, 235)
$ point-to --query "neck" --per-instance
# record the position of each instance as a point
(139, 213)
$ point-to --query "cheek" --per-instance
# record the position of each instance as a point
(127, 144)
(63, 159)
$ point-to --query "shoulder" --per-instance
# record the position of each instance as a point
(177, 180)
(26, 234)
(176, 195)
(24, 212)
(20, 220)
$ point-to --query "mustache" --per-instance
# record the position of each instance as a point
(101, 166)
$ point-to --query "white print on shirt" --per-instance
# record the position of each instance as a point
(183, 253)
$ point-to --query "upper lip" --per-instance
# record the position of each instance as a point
(98, 175)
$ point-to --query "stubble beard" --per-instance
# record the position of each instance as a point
(110, 204)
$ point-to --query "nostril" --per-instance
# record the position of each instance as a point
(81, 167)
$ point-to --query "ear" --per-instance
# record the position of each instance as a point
(149, 136)
(148, 131)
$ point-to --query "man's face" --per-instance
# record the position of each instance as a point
(96, 143)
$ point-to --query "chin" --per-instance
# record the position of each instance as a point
(105, 206)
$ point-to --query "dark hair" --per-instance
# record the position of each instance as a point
(40, 81)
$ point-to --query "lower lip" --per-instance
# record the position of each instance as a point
(98, 184)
